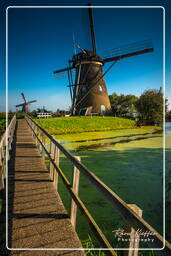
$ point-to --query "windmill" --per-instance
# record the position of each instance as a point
(25, 104)
(88, 91)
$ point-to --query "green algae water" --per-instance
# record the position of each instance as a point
(168, 181)
(130, 166)
(130, 162)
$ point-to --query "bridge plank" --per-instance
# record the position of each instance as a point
(36, 216)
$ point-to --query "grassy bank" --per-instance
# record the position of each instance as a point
(2, 126)
(66, 125)
(3, 121)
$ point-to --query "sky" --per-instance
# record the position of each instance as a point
(40, 40)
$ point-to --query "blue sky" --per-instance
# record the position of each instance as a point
(40, 41)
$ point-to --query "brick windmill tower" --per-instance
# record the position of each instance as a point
(89, 91)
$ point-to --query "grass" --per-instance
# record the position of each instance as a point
(3, 121)
(89, 243)
(2, 126)
(66, 125)
(96, 140)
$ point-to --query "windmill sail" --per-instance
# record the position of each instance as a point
(62, 70)
(25, 104)
(31, 101)
(20, 105)
(129, 50)
(93, 39)
(22, 94)
(89, 92)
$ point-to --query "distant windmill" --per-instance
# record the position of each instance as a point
(88, 91)
(25, 104)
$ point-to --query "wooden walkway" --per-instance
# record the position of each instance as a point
(36, 215)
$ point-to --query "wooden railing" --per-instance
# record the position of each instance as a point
(131, 214)
(5, 147)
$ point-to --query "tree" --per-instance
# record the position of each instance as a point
(34, 113)
(150, 107)
(123, 105)
(168, 116)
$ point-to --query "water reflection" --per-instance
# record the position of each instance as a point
(168, 127)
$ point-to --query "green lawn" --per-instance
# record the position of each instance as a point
(66, 125)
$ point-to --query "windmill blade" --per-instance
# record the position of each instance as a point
(20, 105)
(129, 47)
(129, 50)
(63, 69)
(31, 101)
(22, 94)
(93, 39)
(74, 44)
(60, 75)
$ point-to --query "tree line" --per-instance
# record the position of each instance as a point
(146, 109)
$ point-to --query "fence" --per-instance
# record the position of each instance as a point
(44, 115)
(5, 147)
(131, 214)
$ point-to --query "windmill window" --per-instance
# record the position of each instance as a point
(100, 88)
(103, 109)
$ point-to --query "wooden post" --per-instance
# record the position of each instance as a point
(39, 144)
(134, 243)
(44, 139)
(44, 144)
(36, 131)
(32, 129)
(41, 139)
(52, 153)
(75, 187)
(5, 147)
(9, 139)
(1, 171)
(38, 136)
(55, 174)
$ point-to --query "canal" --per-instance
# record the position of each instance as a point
(131, 164)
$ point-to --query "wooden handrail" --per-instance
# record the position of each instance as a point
(130, 217)
(99, 234)
(5, 146)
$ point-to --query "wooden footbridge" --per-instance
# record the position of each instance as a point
(37, 222)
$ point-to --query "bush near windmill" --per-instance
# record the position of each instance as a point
(168, 115)
(146, 109)
(123, 105)
(150, 107)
